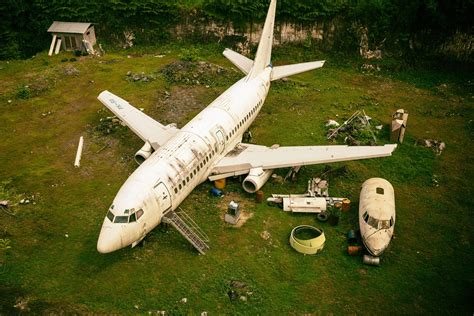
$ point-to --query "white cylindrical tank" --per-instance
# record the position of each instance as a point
(377, 214)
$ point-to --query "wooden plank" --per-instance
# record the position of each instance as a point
(58, 46)
(51, 48)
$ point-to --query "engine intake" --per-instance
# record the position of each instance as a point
(256, 179)
(144, 153)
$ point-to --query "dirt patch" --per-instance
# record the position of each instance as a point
(176, 105)
(244, 207)
(199, 73)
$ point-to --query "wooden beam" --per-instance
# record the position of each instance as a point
(51, 48)
(58, 46)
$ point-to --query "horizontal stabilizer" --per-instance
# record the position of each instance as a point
(286, 71)
(240, 61)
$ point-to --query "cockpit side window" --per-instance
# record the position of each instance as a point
(365, 217)
(110, 216)
(133, 218)
(121, 219)
(379, 190)
(139, 213)
(373, 222)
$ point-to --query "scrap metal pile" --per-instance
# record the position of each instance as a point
(355, 131)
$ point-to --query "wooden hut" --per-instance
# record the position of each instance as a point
(72, 36)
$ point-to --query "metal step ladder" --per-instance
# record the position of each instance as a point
(189, 229)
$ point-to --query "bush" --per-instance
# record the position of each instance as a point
(23, 92)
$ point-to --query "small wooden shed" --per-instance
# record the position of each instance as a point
(72, 36)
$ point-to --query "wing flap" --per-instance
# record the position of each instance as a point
(141, 124)
(253, 156)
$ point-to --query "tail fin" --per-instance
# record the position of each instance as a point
(264, 51)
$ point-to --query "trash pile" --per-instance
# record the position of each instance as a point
(437, 145)
(134, 77)
(198, 73)
(355, 131)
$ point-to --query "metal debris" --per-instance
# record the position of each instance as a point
(437, 145)
(355, 130)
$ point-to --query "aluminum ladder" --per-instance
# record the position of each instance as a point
(189, 229)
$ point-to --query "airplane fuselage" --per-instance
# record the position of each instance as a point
(167, 177)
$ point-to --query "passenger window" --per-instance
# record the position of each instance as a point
(187, 179)
(180, 186)
(133, 218)
(379, 191)
(184, 183)
(139, 213)
(175, 190)
(191, 175)
(195, 171)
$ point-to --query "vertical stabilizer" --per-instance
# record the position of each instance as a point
(264, 51)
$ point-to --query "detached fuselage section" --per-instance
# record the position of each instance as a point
(376, 215)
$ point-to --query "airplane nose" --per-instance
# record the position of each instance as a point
(109, 240)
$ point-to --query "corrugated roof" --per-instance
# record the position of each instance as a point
(69, 27)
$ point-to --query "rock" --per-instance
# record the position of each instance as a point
(184, 300)
(232, 295)
(379, 127)
(4, 203)
(332, 123)
(243, 298)
(129, 73)
(204, 314)
(265, 235)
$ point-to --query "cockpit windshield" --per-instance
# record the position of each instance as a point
(125, 219)
(377, 223)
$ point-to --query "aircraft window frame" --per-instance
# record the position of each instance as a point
(365, 216)
(187, 178)
(176, 190)
(183, 182)
(373, 222)
(384, 224)
(191, 175)
(121, 219)
(112, 214)
(180, 187)
(139, 213)
(132, 218)
(379, 190)
(194, 171)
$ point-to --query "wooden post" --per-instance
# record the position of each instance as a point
(51, 48)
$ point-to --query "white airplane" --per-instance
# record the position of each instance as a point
(174, 161)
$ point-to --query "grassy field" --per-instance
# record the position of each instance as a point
(53, 266)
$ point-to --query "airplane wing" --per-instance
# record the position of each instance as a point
(141, 124)
(246, 156)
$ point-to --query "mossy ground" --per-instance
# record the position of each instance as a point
(428, 268)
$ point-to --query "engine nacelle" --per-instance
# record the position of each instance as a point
(143, 153)
(256, 179)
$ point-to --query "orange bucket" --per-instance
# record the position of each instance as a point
(220, 184)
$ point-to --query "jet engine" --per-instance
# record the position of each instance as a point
(256, 179)
(143, 153)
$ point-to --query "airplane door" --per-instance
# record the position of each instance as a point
(220, 140)
(163, 196)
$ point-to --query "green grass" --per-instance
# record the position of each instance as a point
(428, 268)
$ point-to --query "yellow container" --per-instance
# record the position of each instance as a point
(220, 184)
(346, 205)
